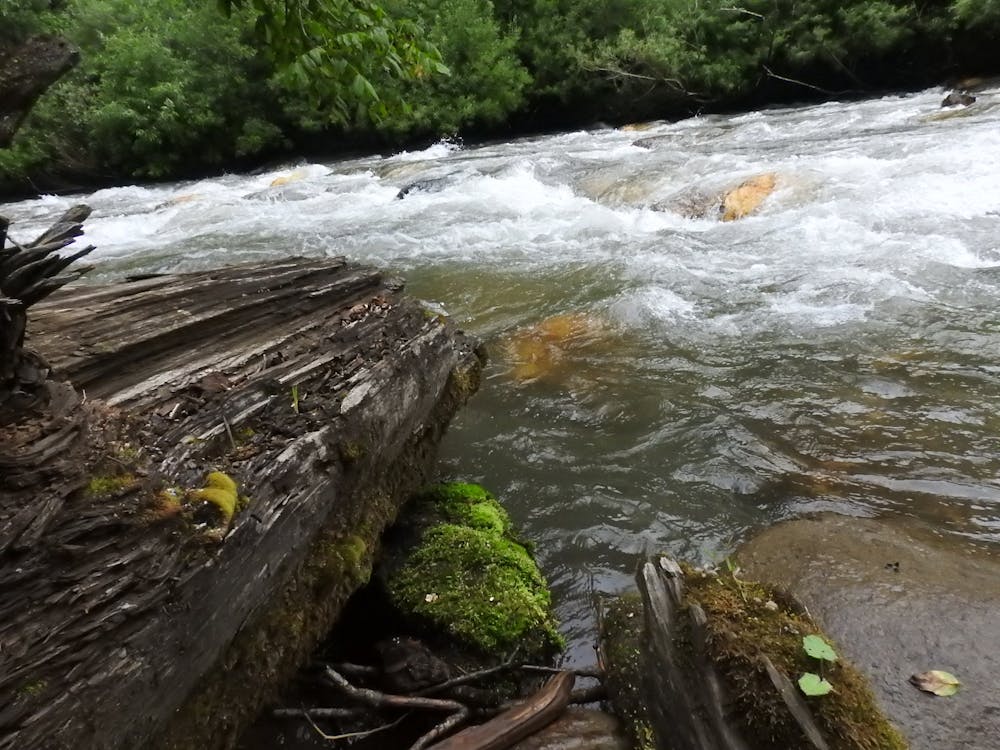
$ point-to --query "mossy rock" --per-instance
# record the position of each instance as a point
(467, 575)
(746, 621)
(743, 626)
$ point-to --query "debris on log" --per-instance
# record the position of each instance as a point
(181, 526)
(707, 661)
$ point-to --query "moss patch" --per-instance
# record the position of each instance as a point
(470, 577)
(742, 626)
(621, 651)
(107, 485)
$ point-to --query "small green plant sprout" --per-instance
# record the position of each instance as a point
(818, 648)
(936, 682)
(295, 399)
(810, 683)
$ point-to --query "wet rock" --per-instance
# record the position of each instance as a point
(958, 99)
(544, 349)
(579, 729)
(899, 601)
(747, 197)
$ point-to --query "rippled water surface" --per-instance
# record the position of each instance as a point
(659, 381)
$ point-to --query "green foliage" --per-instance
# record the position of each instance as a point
(813, 685)
(21, 18)
(817, 648)
(487, 81)
(162, 86)
(332, 50)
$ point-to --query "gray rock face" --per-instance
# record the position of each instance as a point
(899, 600)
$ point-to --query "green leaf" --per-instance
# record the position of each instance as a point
(813, 685)
(936, 682)
(818, 648)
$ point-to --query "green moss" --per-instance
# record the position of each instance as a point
(468, 505)
(221, 491)
(742, 628)
(469, 577)
(621, 651)
(109, 485)
(351, 451)
(32, 689)
(350, 559)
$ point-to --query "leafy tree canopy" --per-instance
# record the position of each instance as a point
(332, 50)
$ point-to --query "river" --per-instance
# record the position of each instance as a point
(839, 350)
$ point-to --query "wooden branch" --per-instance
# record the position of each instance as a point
(514, 725)
(772, 74)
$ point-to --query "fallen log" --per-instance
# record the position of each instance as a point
(182, 525)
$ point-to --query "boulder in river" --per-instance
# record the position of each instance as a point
(460, 571)
(958, 99)
(900, 600)
(747, 197)
(543, 349)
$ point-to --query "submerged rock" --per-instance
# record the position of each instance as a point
(543, 349)
(900, 601)
(958, 99)
(747, 198)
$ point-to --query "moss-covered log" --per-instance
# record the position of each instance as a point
(179, 531)
(707, 661)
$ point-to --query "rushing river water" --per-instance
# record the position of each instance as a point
(698, 379)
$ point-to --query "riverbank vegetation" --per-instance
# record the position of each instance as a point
(178, 87)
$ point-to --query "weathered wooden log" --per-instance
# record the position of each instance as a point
(28, 274)
(706, 661)
(26, 71)
(517, 723)
(180, 531)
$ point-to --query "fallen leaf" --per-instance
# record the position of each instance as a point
(937, 682)
(817, 648)
(812, 684)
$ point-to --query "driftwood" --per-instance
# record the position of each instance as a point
(137, 609)
(29, 273)
(512, 726)
(26, 71)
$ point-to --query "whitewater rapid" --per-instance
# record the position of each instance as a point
(837, 350)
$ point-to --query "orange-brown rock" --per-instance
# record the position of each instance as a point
(748, 196)
(542, 349)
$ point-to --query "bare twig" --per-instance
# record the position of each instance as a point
(745, 12)
(774, 75)
(508, 665)
(351, 735)
(319, 713)
(378, 699)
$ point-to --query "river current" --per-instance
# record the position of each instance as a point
(659, 381)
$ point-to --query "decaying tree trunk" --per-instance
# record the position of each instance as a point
(180, 527)
(26, 71)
